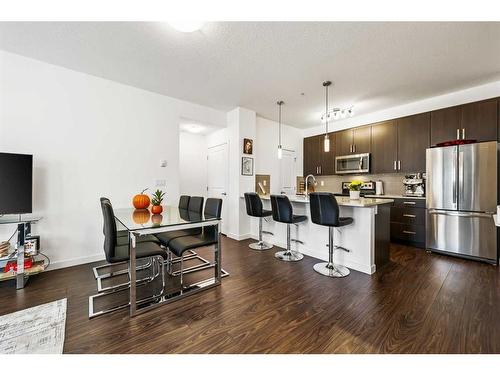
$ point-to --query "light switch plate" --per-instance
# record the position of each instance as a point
(265, 182)
(163, 163)
(322, 183)
(161, 183)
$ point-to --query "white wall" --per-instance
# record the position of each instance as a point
(472, 94)
(266, 147)
(192, 164)
(90, 137)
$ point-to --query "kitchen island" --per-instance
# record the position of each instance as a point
(367, 237)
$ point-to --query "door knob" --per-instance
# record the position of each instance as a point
(223, 194)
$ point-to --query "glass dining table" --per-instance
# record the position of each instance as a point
(141, 223)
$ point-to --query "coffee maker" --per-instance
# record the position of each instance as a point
(414, 185)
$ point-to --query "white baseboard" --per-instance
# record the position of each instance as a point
(239, 237)
(75, 261)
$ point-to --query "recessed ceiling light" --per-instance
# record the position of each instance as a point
(186, 26)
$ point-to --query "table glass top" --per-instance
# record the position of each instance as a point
(133, 219)
(18, 219)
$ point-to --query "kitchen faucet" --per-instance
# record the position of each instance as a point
(307, 179)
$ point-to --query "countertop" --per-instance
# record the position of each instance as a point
(495, 219)
(388, 196)
(343, 201)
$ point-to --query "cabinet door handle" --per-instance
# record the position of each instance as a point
(320, 169)
(458, 133)
(399, 165)
(410, 203)
(409, 232)
(409, 215)
(353, 148)
(395, 166)
(463, 133)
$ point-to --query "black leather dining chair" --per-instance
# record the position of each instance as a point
(116, 253)
(254, 208)
(209, 235)
(184, 202)
(283, 213)
(325, 211)
(187, 206)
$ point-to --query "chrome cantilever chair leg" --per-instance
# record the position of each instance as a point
(125, 286)
(289, 255)
(261, 245)
(330, 268)
(116, 273)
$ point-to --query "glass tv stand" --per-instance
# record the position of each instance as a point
(23, 223)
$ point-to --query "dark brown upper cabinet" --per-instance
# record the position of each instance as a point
(316, 160)
(362, 139)
(479, 120)
(344, 142)
(353, 141)
(413, 141)
(384, 147)
(445, 125)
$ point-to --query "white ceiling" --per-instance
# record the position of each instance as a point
(252, 64)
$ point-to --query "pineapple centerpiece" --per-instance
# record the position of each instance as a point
(156, 200)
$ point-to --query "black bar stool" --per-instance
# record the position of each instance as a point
(254, 208)
(283, 213)
(325, 211)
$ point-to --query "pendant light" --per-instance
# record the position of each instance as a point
(280, 149)
(326, 142)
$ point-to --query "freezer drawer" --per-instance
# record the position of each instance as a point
(464, 233)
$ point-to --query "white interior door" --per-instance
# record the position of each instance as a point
(288, 171)
(217, 184)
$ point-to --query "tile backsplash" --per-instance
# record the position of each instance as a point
(393, 183)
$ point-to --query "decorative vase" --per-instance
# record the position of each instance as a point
(354, 194)
(156, 210)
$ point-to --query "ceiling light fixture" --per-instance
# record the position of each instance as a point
(338, 113)
(186, 26)
(326, 141)
(280, 149)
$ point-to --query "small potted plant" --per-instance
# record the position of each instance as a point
(156, 200)
(354, 188)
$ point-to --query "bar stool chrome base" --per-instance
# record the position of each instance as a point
(289, 256)
(261, 245)
(331, 269)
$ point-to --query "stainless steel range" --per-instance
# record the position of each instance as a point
(461, 198)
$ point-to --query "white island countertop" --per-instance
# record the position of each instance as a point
(495, 219)
(343, 201)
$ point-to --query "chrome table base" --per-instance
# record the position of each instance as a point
(331, 269)
(289, 256)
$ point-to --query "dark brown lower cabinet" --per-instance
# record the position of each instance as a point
(408, 222)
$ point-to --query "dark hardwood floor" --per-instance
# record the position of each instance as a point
(419, 303)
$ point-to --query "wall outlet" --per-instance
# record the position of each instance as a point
(161, 183)
(265, 182)
(322, 183)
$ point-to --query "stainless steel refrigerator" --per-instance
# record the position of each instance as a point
(461, 199)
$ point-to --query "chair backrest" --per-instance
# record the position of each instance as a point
(184, 202)
(324, 209)
(213, 207)
(282, 209)
(196, 204)
(109, 229)
(253, 204)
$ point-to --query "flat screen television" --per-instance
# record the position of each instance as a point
(16, 183)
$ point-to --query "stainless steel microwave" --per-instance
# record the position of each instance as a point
(359, 163)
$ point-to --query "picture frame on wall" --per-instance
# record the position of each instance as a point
(247, 146)
(246, 166)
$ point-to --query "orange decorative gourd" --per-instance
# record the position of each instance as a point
(141, 216)
(141, 201)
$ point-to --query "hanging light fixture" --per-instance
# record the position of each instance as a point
(280, 149)
(326, 142)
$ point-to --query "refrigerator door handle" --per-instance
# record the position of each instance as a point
(460, 174)
(455, 178)
(460, 213)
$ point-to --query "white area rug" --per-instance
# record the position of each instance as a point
(37, 330)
